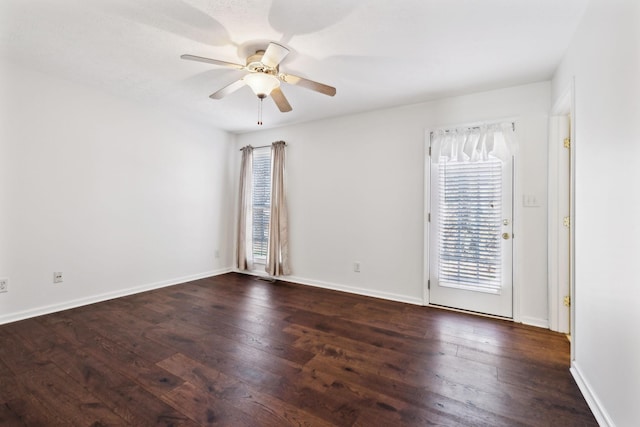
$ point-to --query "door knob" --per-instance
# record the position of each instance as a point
(505, 236)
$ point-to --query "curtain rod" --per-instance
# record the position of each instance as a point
(265, 146)
(513, 127)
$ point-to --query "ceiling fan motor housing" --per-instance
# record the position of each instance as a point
(255, 65)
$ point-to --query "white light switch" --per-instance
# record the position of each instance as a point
(530, 201)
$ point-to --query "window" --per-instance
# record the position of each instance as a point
(261, 203)
(469, 226)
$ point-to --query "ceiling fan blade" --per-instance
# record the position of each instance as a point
(274, 54)
(227, 89)
(309, 84)
(212, 61)
(280, 100)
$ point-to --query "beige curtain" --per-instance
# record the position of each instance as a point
(278, 253)
(244, 258)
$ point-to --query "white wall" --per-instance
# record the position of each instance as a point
(356, 193)
(604, 58)
(117, 196)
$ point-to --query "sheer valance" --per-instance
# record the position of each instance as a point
(473, 144)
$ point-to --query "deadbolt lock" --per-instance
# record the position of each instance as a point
(505, 222)
(505, 236)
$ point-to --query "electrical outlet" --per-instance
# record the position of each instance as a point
(356, 267)
(57, 277)
(4, 285)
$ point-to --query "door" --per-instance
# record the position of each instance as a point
(564, 242)
(560, 218)
(470, 237)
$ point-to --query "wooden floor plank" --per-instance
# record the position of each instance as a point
(261, 407)
(235, 350)
(118, 392)
(63, 400)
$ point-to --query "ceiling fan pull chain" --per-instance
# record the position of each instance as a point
(260, 112)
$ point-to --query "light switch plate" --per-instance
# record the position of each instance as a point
(530, 201)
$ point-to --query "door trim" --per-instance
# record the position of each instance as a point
(426, 216)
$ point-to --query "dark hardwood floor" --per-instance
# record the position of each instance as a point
(233, 350)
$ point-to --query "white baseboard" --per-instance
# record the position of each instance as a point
(39, 311)
(353, 290)
(534, 321)
(596, 407)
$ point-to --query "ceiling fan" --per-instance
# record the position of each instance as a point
(264, 76)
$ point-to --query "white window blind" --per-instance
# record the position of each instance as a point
(469, 225)
(261, 202)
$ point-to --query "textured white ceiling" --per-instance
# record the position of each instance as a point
(377, 53)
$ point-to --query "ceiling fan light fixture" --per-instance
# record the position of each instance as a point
(261, 83)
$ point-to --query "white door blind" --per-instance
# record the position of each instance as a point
(261, 202)
(469, 225)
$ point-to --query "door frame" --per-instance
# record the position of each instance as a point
(516, 230)
(564, 106)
